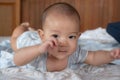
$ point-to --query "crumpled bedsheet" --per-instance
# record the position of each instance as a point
(87, 72)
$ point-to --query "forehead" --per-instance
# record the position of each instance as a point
(59, 21)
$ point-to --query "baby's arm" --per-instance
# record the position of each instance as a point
(17, 32)
(102, 57)
(25, 55)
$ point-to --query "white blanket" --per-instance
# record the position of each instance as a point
(106, 72)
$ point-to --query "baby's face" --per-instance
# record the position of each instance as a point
(65, 31)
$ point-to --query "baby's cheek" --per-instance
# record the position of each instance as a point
(73, 48)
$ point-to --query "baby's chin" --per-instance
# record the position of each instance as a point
(60, 57)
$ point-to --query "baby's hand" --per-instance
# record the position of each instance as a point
(115, 53)
(48, 44)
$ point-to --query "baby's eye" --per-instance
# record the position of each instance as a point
(55, 35)
(72, 37)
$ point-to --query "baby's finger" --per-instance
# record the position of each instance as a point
(52, 42)
(48, 43)
(113, 54)
(55, 42)
(116, 53)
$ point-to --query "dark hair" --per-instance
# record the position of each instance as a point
(62, 8)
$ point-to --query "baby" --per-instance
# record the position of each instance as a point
(59, 48)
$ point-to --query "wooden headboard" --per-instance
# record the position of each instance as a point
(9, 16)
(94, 13)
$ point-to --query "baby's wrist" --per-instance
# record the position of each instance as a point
(41, 49)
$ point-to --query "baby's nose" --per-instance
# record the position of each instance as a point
(63, 42)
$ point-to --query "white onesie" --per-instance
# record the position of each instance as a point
(30, 38)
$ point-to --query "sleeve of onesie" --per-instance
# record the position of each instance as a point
(79, 56)
(28, 38)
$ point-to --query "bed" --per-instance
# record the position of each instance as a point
(96, 39)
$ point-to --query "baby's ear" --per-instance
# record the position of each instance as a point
(41, 33)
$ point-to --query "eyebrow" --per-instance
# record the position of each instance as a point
(74, 32)
(54, 30)
(69, 32)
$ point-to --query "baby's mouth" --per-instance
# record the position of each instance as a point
(62, 51)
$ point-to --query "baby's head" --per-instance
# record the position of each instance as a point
(63, 10)
(62, 22)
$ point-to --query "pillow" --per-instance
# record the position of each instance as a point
(99, 34)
